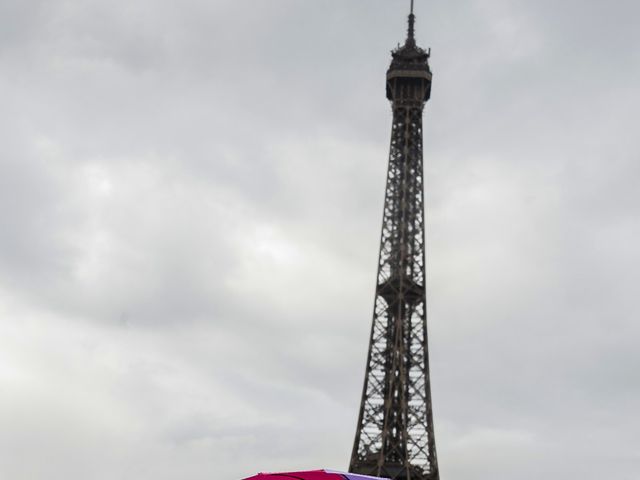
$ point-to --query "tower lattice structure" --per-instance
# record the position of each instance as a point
(394, 437)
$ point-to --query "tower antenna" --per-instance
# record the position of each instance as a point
(412, 20)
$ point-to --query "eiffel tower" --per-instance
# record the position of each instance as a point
(394, 437)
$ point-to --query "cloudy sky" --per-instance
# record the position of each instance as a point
(190, 202)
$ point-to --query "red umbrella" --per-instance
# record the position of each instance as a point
(311, 475)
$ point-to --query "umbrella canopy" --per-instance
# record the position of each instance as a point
(311, 475)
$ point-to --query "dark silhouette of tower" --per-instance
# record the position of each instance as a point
(394, 438)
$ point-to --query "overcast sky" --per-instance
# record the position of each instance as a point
(190, 203)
